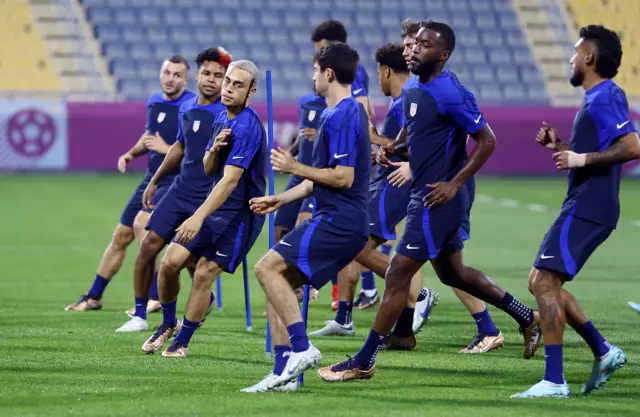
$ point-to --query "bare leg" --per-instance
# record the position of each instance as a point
(116, 251)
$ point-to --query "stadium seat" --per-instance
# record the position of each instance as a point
(25, 63)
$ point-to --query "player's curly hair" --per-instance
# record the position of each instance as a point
(410, 27)
(331, 31)
(447, 36)
(609, 54)
(390, 55)
(341, 58)
(219, 55)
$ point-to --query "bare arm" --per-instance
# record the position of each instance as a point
(139, 149)
(211, 162)
(295, 148)
(171, 162)
(627, 148)
(300, 191)
(368, 106)
(376, 139)
(336, 177)
(486, 143)
(220, 192)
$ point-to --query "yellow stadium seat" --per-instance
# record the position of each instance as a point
(24, 63)
(621, 16)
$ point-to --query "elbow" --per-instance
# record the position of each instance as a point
(345, 182)
(208, 168)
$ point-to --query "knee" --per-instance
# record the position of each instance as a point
(150, 246)
(169, 265)
(205, 274)
(140, 223)
(122, 236)
(261, 269)
(543, 283)
(532, 276)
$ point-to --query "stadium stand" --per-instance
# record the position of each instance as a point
(492, 56)
(621, 16)
(24, 64)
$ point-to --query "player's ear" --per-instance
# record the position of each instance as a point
(445, 55)
(331, 76)
(590, 59)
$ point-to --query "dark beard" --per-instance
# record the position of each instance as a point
(577, 78)
(424, 70)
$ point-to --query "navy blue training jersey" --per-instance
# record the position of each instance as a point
(247, 149)
(439, 116)
(602, 119)
(360, 86)
(391, 126)
(162, 118)
(310, 107)
(343, 139)
(194, 131)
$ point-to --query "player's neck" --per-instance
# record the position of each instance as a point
(205, 101)
(234, 111)
(173, 97)
(426, 79)
(337, 93)
(591, 80)
(396, 85)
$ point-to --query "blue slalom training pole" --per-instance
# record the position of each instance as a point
(219, 292)
(272, 231)
(247, 296)
(305, 313)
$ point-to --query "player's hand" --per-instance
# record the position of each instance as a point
(441, 193)
(147, 196)
(123, 161)
(188, 230)
(309, 133)
(265, 205)
(156, 143)
(283, 161)
(220, 141)
(548, 136)
(384, 152)
(568, 159)
(400, 176)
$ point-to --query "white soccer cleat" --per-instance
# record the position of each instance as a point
(296, 365)
(263, 386)
(136, 324)
(333, 328)
(546, 389)
(423, 310)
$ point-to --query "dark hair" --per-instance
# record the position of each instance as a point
(219, 55)
(390, 55)
(609, 53)
(447, 37)
(177, 59)
(331, 31)
(341, 58)
(410, 27)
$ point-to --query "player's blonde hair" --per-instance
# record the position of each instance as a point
(250, 67)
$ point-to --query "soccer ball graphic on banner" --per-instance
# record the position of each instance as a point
(31, 132)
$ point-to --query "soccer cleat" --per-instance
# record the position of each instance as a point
(335, 297)
(546, 389)
(296, 365)
(263, 386)
(423, 310)
(136, 324)
(484, 343)
(394, 342)
(153, 306)
(532, 336)
(333, 328)
(85, 303)
(160, 336)
(603, 368)
(634, 306)
(345, 371)
(175, 350)
(363, 301)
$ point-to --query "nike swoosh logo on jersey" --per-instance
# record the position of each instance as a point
(282, 242)
(478, 119)
(620, 126)
(237, 157)
(358, 90)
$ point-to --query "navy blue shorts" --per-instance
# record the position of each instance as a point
(569, 243)
(319, 249)
(429, 232)
(170, 212)
(387, 208)
(226, 238)
(135, 202)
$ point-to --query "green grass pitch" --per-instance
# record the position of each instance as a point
(56, 363)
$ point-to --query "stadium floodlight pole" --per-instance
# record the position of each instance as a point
(272, 232)
(219, 292)
(247, 296)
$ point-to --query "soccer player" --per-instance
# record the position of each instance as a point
(603, 138)
(160, 133)
(328, 243)
(439, 115)
(387, 206)
(191, 186)
(223, 229)
(326, 33)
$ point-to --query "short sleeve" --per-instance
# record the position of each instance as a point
(398, 115)
(359, 87)
(466, 113)
(343, 141)
(150, 102)
(245, 143)
(612, 119)
(180, 135)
